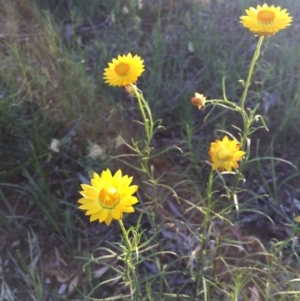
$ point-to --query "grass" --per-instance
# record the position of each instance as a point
(182, 243)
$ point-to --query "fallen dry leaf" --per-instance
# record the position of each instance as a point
(254, 294)
(73, 284)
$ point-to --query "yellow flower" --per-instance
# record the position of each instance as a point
(124, 71)
(225, 154)
(266, 20)
(108, 197)
(198, 100)
(297, 219)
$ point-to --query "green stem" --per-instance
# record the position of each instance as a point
(128, 265)
(245, 92)
(203, 237)
(215, 261)
(124, 234)
(145, 156)
(209, 188)
(148, 122)
(254, 59)
(246, 121)
(149, 128)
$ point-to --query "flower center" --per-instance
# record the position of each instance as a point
(122, 69)
(266, 16)
(224, 155)
(108, 197)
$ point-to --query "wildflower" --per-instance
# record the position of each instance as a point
(225, 154)
(108, 197)
(297, 219)
(124, 71)
(198, 100)
(266, 20)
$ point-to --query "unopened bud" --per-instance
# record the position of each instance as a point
(198, 100)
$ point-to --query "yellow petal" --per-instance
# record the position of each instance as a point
(108, 220)
(103, 215)
(95, 216)
(116, 214)
(128, 209)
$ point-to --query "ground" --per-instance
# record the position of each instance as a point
(60, 122)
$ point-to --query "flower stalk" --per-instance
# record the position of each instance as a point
(146, 115)
(129, 267)
(204, 229)
(246, 121)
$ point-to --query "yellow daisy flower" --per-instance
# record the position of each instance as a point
(108, 197)
(124, 71)
(266, 20)
(225, 154)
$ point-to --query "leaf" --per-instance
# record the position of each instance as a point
(101, 271)
(254, 294)
(73, 284)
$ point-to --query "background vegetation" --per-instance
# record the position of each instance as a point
(60, 122)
